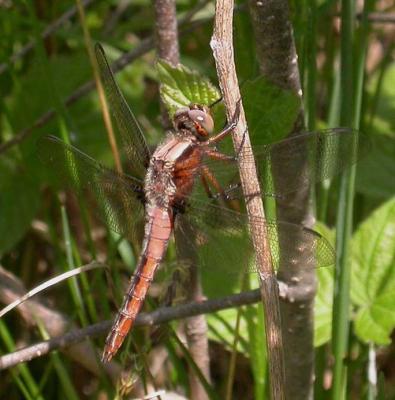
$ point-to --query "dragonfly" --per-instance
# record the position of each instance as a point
(188, 182)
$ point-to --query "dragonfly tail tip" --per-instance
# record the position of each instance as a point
(106, 357)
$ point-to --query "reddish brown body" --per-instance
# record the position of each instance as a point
(170, 178)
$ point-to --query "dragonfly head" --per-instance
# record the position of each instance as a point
(196, 118)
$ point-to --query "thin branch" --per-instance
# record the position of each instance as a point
(222, 45)
(166, 31)
(166, 39)
(159, 316)
(145, 46)
(49, 30)
(195, 326)
(49, 283)
(54, 323)
(377, 17)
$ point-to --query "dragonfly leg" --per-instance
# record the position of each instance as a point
(206, 186)
(217, 155)
(208, 177)
(228, 128)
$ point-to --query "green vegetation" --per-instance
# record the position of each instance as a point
(45, 231)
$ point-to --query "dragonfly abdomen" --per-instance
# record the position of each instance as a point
(157, 233)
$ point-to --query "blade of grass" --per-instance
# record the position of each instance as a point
(73, 284)
(86, 287)
(24, 379)
(233, 358)
(351, 101)
(48, 283)
(99, 86)
(344, 215)
(209, 390)
(67, 385)
(257, 350)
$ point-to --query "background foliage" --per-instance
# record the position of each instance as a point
(35, 242)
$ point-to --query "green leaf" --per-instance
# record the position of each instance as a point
(254, 316)
(324, 298)
(270, 110)
(180, 87)
(222, 329)
(19, 201)
(375, 174)
(373, 275)
(323, 306)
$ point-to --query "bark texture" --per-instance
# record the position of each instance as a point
(166, 35)
(195, 326)
(277, 59)
(222, 45)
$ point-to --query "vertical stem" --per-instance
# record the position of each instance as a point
(277, 59)
(166, 31)
(344, 216)
(311, 68)
(195, 327)
(351, 103)
(99, 86)
(166, 35)
(222, 46)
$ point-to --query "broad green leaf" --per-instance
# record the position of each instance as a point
(180, 87)
(19, 201)
(373, 275)
(323, 306)
(270, 110)
(324, 297)
(254, 316)
(376, 173)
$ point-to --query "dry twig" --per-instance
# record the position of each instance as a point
(55, 323)
(222, 45)
(159, 316)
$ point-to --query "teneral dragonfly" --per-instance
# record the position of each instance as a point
(188, 178)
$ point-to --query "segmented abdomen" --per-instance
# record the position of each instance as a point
(158, 228)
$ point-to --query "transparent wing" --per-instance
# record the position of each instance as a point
(219, 237)
(132, 136)
(323, 154)
(117, 198)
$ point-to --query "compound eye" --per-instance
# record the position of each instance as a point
(202, 119)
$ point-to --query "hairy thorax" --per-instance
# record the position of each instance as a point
(172, 171)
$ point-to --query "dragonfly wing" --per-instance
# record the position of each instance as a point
(132, 136)
(323, 154)
(118, 197)
(221, 237)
